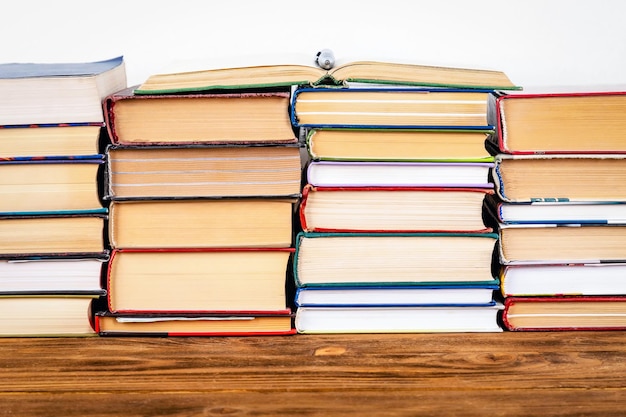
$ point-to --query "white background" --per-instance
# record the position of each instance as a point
(535, 42)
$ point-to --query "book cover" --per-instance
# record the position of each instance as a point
(244, 118)
(392, 209)
(561, 123)
(560, 313)
(391, 108)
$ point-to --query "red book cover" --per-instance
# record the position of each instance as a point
(248, 281)
(558, 313)
(385, 209)
(187, 119)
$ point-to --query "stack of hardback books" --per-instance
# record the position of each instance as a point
(392, 232)
(561, 209)
(52, 218)
(202, 188)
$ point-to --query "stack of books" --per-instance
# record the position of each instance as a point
(202, 188)
(561, 209)
(52, 218)
(393, 237)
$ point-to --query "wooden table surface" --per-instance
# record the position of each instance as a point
(495, 374)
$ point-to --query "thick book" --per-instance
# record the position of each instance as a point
(392, 209)
(556, 212)
(329, 320)
(172, 325)
(392, 108)
(41, 185)
(351, 259)
(46, 316)
(198, 280)
(59, 275)
(265, 70)
(564, 313)
(444, 294)
(51, 140)
(567, 122)
(240, 118)
(195, 223)
(546, 244)
(588, 177)
(399, 174)
(398, 144)
(50, 93)
(563, 279)
(78, 234)
(204, 172)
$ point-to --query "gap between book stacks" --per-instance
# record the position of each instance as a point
(285, 198)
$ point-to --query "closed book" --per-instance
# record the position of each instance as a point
(204, 172)
(392, 258)
(329, 320)
(392, 209)
(392, 108)
(49, 185)
(52, 93)
(235, 118)
(564, 313)
(196, 223)
(588, 177)
(399, 174)
(344, 144)
(171, 325)
(198, 280)
(566, 122)
(57, 140)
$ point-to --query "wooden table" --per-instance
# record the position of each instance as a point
(495, 374)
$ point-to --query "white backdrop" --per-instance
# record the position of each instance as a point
(536, 42)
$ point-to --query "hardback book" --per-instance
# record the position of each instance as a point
(546, 244)
(457, 294)
(399, 174)
(53, 275)
(198, 280)
(565, 313)
(209, 172)
(78, 234)
(563, 279)
(49, 185)
(465, 319)
(195, 223)
(265, 70)
(392, 108)
(51, 141)
(398, 144)
(588, 177)
(555, 212)
(51, 93)
(392, 209)
(46, 316)
(351, 259)
(171, 325)
(567, 122)
(242, 117)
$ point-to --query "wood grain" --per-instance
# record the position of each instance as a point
(561, 373)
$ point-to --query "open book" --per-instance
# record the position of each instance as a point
(265, 71)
